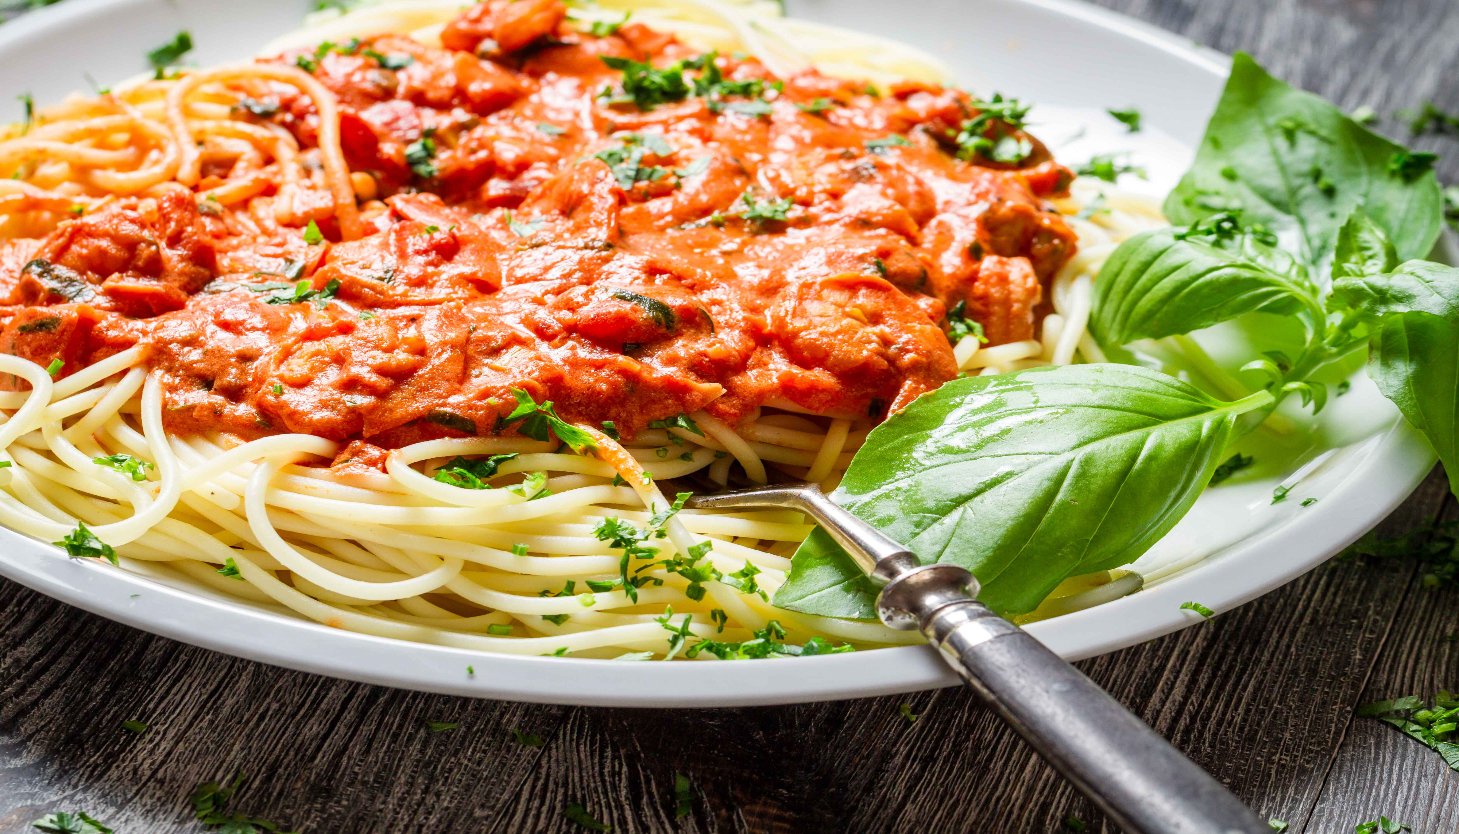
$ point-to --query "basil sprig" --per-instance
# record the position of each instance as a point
(1291, 208)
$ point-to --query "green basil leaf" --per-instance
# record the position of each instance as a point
(1414, 349)
(1414, 359)
(1024, 479)
(1167, 282)
(1293, 162)
(1362, 249)
(1414, 287)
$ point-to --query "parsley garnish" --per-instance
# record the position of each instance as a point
(171, 52)
(441, 726)
(1435, 725)
(64, 822)
(210, 801)
(661, 313)
(550, 129)
(132, 467)
(1129, 118)
(81, 543)
(626, 161)
(1198, 608)
(576, 813)
(537, 420)
(390, 62)
(1382, 825)
(1280, 494)
(420, 155)
(906, 711)
(27, 101)
(304, 291)
(960, 325)
(896, 140)
(771, 211)
(604, 28)
(986, 134)
(471, 474)
(55, 366)
(312, 235)
(817, 106)
(681, 421)
(624, 535)
(132, 725)
(528, 739)
(1108, 168)
(1430, 119)
(533, 486)
(645, 86)
(1278, 825)
(1231, 466)
(683, 796)
(230, 569)
(678, 635)
(499, 630)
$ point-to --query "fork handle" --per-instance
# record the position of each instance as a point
(1134, 775)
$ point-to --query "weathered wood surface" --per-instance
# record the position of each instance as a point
(1262, 696)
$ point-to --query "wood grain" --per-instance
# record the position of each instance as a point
(1262, 696)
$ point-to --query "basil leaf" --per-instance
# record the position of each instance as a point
(1414, 349)
(1362, 249)
(1167, 282)
(1298, 165)
(1024, 479)
(1401, 346)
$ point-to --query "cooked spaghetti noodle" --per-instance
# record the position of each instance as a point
(512, 542)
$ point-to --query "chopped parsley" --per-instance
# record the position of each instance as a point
(960, 326)
(55, 366)
(132, 725)
(626, 161)
(1430, 119)
(528, 739)
(532, 487)
(537, 420)
(70, 822)
(452, 420)
(817, 106)
(27, 103)
(441, 726)
(906, 711)
(550, 129)
(312, 235)
(896, 140)
(681, 421)
(578, 815)
(986, 134)
(168, 54)
(683, 796)
(1129, 118)
(760, 214)
(499, 630)
(1230, 466)
(1435, 547)
(660, 313)
(1198, 608)
(81, 543)
(1434, 725)
(604, 28)
(645, 86)
(1107, 167)
(1074, 823)
(390, 62)
(304, 291)
(1382, 825)
(471, 474)
(210, 806)
(133, 467)
(1280, 494)
(230, 569)
(625, 536)
(420, 155)
(519, 549)
(262, 108)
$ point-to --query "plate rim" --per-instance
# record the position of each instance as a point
(1397, 462)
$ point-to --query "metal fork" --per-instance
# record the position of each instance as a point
(1137, 777)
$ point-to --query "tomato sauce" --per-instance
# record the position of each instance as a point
(533, 225)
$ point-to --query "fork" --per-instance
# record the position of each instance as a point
(1134, 775)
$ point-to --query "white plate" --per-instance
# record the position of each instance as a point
(1073, 60)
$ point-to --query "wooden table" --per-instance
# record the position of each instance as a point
(1262, 696)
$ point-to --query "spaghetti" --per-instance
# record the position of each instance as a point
(176, 432)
